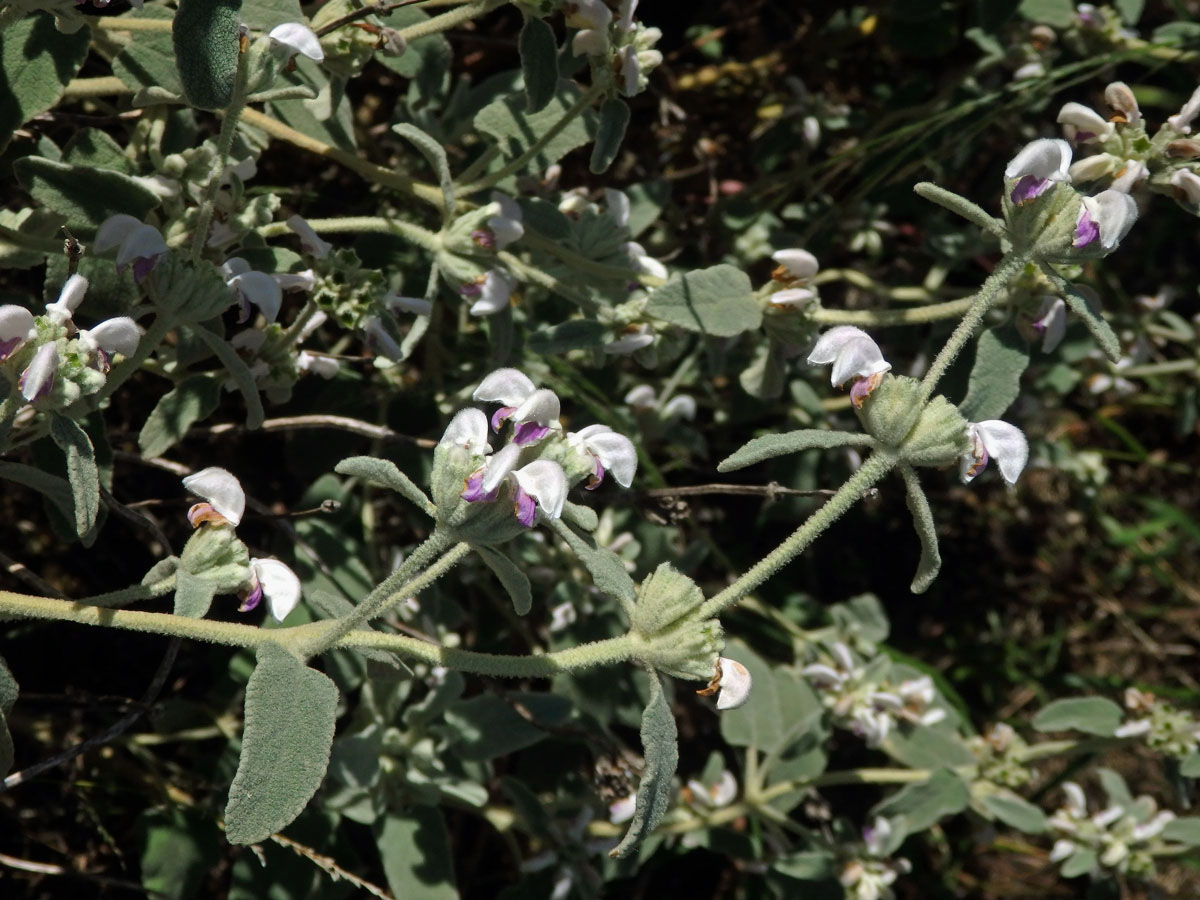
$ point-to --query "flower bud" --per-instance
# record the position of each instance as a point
(670, 635)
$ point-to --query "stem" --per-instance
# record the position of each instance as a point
(368, 170)
(129, 23)
(519, 162)
(1169, 367)
(883, 318)
(397, 586)
(598, 653)
(229, 122)
(877, 465)
(102, 86)
(988, 294)
(430, 240)
(532, 273)
(450, 19)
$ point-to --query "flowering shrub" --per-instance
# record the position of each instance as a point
(360, 261)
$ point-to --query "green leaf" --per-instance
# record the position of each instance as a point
(1130, 10)
(86, 196)
(861, 617)
(149, 60)
(924, 803)
(82, 473)
(661, 752)
(53, 488)
(192, 400)
(1079, 863)
(1059, 13)
(386, 474)
(959, 205)
(539, 62)
(1184, 830)
(487, 725)
(1001, 357)
(614, 119)
(1189, 767)
(928, 746)
(807, 865)
(769, 446)
(242, 376)
(1088, 312)
(417, 858)
(608, 569)
(1115, 788)
(1015, 811)
(515, 131)
(8, 697)
(575, 334)
(193, 594)
(514, 580)
(290, 713)
(930, 562)
(1092, 715)
(36, 62)
(205, 36)
(177, 850)
(435, 155)
(718, 301)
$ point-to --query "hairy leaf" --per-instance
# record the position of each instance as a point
(36, 63)
(515, 582)
(86, 196)
(487, 725)
(918, 505)
(718, 301)
(417, 859)
(435, 154)
(1092, 715)
(922, 804)
(608, 569)
(193, 594)
(1001, 357)
(386, 474)
(516, 131)
(661, 752)
(82, 473)
(192, 400)
(1015, 811)
(539, 62)
(768, 446)
(614, 119)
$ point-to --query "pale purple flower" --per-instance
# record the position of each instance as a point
(1182, 120)
(38, 378)
(610, 451)
(854, 355)
(540, 485)
(277, 583)
(1104, 219)
(1037, 166)
(994, 439)
(310, 242)
(491, 293)
(16, 328)
(534, 411)
(1187, 182)
(1051, 322)
(61, 310)
(1081, 123)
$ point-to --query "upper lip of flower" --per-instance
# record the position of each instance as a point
(220, 488)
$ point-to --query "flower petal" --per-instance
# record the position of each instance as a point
(118, 335)
(618, 205)
(546, 481)
(1006, 443)
(792, 297)
(310, 241)
(510, 387)
(297, 39)
(38, 378)
(113, 231)
(1189, 183)
(220, 488)
(1084, 121)
(1045, 158)
(469, 430)
(494, 294)
(616, 453)
(260, 289)
(16, 327)
(499, 466)
(799, 263)
(69, 298)
(735, 684)
(279, 584)
(1051, 323)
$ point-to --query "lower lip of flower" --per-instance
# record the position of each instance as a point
(1028, 187)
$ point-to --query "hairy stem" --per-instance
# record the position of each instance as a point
(883, 318)
(225, 138)
(448, 20)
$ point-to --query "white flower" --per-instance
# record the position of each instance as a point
(260, 289)
(562, 616)
(275, 581)
(1036, 166)
(1093, 168)
(618, 206)
(395, 303)
(622, 810)
(635, 338)
(60, 311)
(317, 363)
(1083, 123)
(534, 411)
(800, 264)
(296, 281)
(310, 242)
(1106, 218)
(611, 451)
(735, 684)
(117, 335)
(1134, 728)
(469, 430)
(854, 355)
(541, 484)
(720, 794)
(630, 68)
(1182, 120)
(993, 438)
(1051, 322)
(1061, 850)
(1188, 183)
(1129, 176)
(589, 42)
(16, 328)
(138, 245)
(38, 378)
(587, 14)
(380, 340)
(506, 225)
(222, 491)
(792, 297)
(643, 263)
(296, 38)
(1120, 97)
(491, 293)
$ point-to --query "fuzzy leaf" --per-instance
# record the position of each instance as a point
(768, 446)
(1015, 811)
(1190, 765)
(241, 373)
(192, 400)
(417, 858)
(193, 594)
(149, 61)
(539, 62)
(8, 697)
(290, 713)
(924, 803)
(608, 570)
(1092, 715)
(205, 36)
(1001, 357)
(807, 865)
(661, 752)
(717, 301)
(82, 473)
(36, 63)
(386, 474)
(514, 580)
(1184, 830)
(1105, 337)
(487, 726)
(918, 505)
(435, 155)
(960, 206)
(86, 196)
(614, 119)
(515, 131)
(1079, 863)
(53, 488)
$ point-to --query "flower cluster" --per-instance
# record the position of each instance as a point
(999, 753)
(536, 468)
(863, 702)
(1121, 837)
(223, 504)
(794, 275)
(871, 874)
(619, 48)
(1170, 731)
(48, 350)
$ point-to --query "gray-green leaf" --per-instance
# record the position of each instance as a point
(487, 726)
(1015, 811)
(1092, 715)
(539, 62)
(614, 119)
(661, 752)
(1185, 830)
(924, 803)
(608, 569)
(556, 134)
(930, 562)
(86, 196)
(417, 860)
(514, 580)
(435, 155)
(36, 62)
(8, 697)
(718, 301)
(242, 376)
(1001, 356)
(193, 594)
(1088, 313)
(386, 474)
(768, 446)
(192, 400)
(82, 473)
(290, 713)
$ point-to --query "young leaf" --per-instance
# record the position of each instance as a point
(1079, 863)
(1001, 356)
(768, 446)
(514, 580)
(1092, 715)
(1015, 811)
(918, 505)
(608, 570)
(36, 63)
(435, 154)
(81, 471)
(1087, 311)
(193, 594)
(960, 206)
(661, 753)
(717, 301)
(241, 373)
(192, 400)
(614, 119)
(539, 62)
(85, 196)
(290, 713)
(386, 474)
(205, 35)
